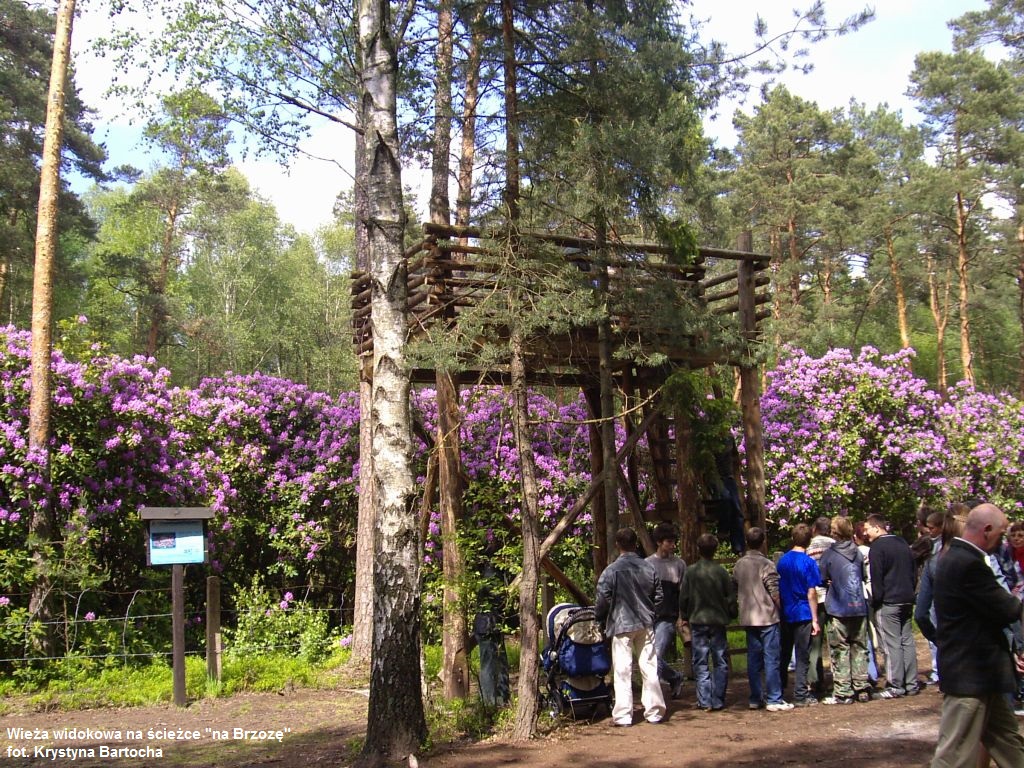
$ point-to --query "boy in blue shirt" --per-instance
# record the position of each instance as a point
(798, 578)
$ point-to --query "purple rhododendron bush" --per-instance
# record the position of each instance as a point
(861, 434)
(278, 464)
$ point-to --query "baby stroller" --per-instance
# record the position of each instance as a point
(576, 659)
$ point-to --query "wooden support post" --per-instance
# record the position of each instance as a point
(547, 593)
(639, 519)
(599, 527)
(607, 392)
(750, 403)
(629, 391)
(455, 633)
(691, 508)
(178, 634)
(565, 582)
(213, 635)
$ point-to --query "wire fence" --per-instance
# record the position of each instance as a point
(130, 636)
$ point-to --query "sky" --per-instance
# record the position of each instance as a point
(871, 65)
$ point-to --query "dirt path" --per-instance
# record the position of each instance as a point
(298, 729)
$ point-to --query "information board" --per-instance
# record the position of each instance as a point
(176, 542)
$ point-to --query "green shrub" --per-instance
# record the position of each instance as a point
(269, 627)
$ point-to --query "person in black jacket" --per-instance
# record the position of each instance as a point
(975, 663)
(892, 594)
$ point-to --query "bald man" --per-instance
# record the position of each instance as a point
(975, 662)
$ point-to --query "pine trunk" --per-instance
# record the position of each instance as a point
(467, 154)
(527, 705)
(158, 311)
(940, 314)
(901, 295)
(455, 636)
(42, 523)
(609, 466)
(962, 260)
(396, 725)
(1020, 308)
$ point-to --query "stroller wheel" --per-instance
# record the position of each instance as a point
(556, 704)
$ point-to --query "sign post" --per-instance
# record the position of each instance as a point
(176, 536)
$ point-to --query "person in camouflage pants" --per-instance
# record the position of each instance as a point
(842, 571)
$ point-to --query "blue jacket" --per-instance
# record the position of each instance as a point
(842, 571)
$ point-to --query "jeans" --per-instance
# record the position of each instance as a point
(896, 635)
(796, 636)
(871, 630)
(709, 644)
(764, 648)
(664, 644)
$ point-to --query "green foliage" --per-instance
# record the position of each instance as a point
(268, 625)
(26, 51)
(266, 672)
(711, 419)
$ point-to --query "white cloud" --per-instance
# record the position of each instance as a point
(872, 65)
(305, 191)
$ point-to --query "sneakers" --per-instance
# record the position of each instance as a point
(890, 693)
(810, 701)
(782, 706)
(756, 705)
(839, 700)
(913, 690)
(677, 688)
(866, 694)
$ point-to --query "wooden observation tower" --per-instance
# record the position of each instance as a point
(454, 269)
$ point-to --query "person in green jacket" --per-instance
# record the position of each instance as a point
(707, 601)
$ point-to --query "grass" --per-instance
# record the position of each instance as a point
(84, 683)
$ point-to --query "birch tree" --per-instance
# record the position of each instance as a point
(396, 725)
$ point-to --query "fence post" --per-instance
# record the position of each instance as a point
(178, 633)
(213, 636)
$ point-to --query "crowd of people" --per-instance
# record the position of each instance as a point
(851, 591)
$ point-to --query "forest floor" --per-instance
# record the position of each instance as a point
(305, 728)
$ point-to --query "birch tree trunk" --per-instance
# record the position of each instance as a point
(396, 725)
(42, 523)
(362, 612)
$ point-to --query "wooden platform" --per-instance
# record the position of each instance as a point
(456, 271)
